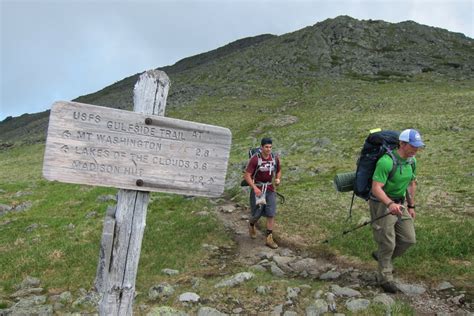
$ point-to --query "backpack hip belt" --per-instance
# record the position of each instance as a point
(398, 200)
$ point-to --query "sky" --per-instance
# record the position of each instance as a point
(55, 50)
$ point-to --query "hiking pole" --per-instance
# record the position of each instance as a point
(357, 227)
(281, 196)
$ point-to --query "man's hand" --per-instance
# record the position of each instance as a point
(395, 209)
(277, 181)
(412, 212)
(257, 191)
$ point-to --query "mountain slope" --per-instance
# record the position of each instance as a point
(343, 46)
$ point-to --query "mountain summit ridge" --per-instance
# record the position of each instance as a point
(372, 50)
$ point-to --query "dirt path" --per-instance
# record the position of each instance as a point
(235, 218)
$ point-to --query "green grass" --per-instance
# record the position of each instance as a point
(334, 117)
(66, 258)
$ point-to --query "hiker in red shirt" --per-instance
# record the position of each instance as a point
(261, 169)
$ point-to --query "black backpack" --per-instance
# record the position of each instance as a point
(257, 151)
(376, 145)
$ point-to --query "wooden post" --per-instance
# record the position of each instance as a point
(123, 231)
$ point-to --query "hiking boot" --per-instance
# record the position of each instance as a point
(252, 231)
(389, 287)
(270, 243)
(375, 256)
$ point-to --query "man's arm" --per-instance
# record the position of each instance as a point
(248, 178)
(278, 177)
(379, 193)
(411, 190)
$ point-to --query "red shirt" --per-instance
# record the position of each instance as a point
(266, 171)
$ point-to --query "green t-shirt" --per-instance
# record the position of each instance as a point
(397, 185)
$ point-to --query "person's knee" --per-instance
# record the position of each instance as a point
(408, 241)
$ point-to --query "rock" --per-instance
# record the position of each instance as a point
(265, 263)
(411, 289)
(445, 285)
(210, 247)
(196, 282)
(457, 300)
(30, 301)
(65, 297)
(71, 226)
(4, 208)
(30, 282)
(384, 299)
(331, 299)
(318, 294)
(23, 206)
(209, 311)
(108, 197)
(32, 227)
(23, 193)
(292, 292)
(265, 255)
(202, 213)
(89, 299)
(356, 305)
(170, 272)
(165, 311)
(228, 208)
(344, 291)
(257, 267)
(40, 310)
(277, 310)
(319, 307)
(91, 214)
(312, 266)
(290, 313)
(275, 270)
(27, 292)
(262, 290)
(58, 306)
(160, 291)
(236, 279)
(282, 263)
(330, 275)
(189, 297)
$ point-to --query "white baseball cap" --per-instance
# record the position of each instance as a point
(412, 137)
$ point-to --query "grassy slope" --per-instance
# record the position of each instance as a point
(334, 117)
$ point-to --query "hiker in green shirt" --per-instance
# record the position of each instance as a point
(394, 234)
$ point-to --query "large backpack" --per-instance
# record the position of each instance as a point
(257, 151)
(375, 146)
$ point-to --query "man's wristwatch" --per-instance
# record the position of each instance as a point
(411, 206)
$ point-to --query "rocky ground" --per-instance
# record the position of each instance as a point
(346, 287)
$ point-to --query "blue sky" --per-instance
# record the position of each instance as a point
(62, 49)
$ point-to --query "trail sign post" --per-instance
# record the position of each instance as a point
(138, 152)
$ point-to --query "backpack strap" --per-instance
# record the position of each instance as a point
(389, 152)
(396, 164)
(260, 161)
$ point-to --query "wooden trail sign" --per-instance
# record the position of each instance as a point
(101, 146)
(138, 152)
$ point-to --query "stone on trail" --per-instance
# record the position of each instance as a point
(319, 307)
(209, 311)
(344, 291)
(189, 297)
(356, 305)
(236, 279)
